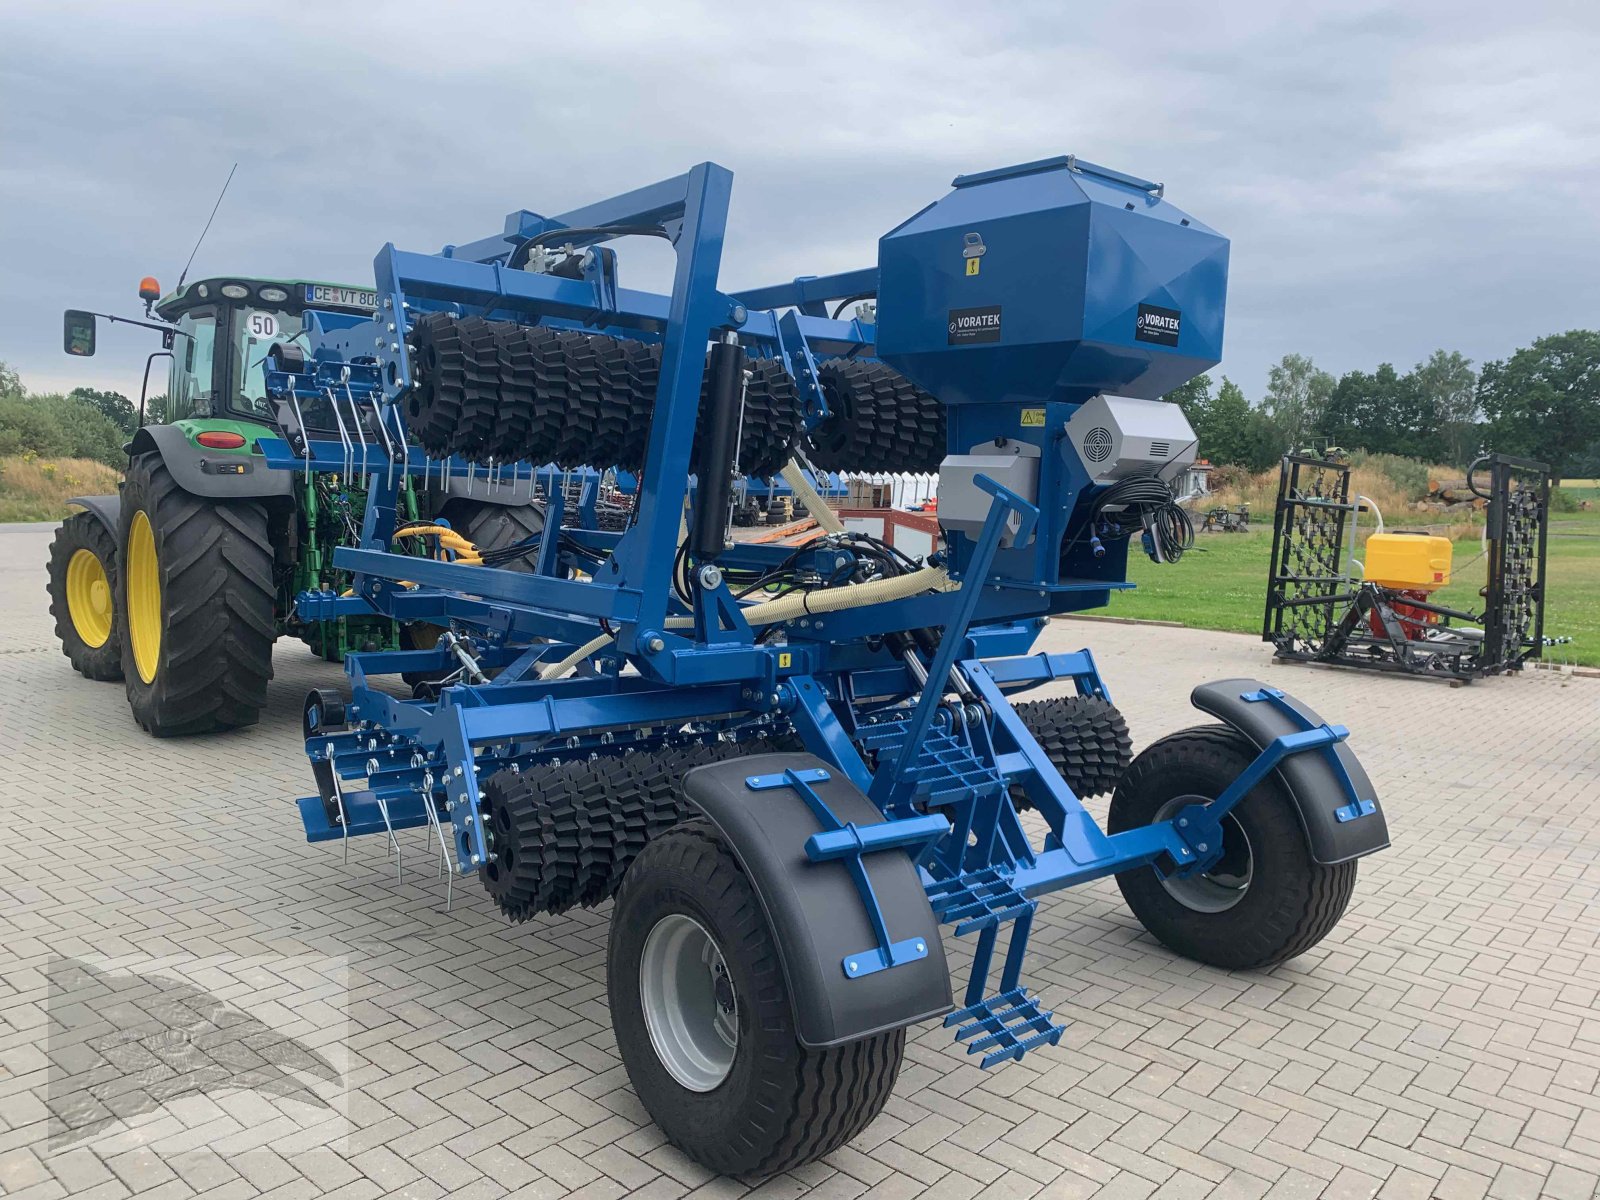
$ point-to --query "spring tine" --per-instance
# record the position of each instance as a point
(344, 436)
(446, 868)
(338, 799)
(355, 416)
(383, 432)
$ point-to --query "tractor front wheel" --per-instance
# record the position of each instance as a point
(83, 596)
(197, 593)
(1265, 899)
(703, 1022)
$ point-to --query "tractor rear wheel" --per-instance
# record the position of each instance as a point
(496, 526)
(83, 596)
(488, 527)
(197, 595)
(1266, 899)
(702, 1018)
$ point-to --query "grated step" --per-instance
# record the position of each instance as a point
(1007, 1025)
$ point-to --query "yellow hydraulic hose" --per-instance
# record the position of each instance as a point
(449, 539)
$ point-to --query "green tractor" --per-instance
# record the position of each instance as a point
(180, 584)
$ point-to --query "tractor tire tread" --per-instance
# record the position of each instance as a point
(85, 531)
(216, 558)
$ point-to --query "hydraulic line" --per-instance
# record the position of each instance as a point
(786, 608)
(449, 539)
(814, 504)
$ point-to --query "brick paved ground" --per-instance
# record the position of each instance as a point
(1445, 1041)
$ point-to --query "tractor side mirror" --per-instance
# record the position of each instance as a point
(77, 334)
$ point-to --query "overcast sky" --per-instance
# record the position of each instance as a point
(1394, 177)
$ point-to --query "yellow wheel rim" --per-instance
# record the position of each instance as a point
(144, 597)
(89, 598)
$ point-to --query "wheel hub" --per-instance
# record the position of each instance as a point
(1225, 882)
(690, 1007)
(144, 597)
(89, 598)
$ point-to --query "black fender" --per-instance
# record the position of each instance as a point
(105, 509)
(815, 912)
(1308, 777)
(211, 473)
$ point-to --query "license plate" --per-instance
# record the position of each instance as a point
(340, 297)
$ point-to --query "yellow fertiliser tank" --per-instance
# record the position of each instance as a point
(1417, 562)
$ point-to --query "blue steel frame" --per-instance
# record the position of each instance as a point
(943, 768)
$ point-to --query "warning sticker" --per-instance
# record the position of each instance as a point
(1033, 418)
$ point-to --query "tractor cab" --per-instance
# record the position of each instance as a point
(226, 327)
(217, 333)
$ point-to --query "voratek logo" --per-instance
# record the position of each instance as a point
(1158, 325)
(969, 325)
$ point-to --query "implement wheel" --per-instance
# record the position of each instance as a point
(197, 592)
(703, 1022)
(83, 594)
(1265, 900)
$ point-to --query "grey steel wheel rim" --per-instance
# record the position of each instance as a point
(1220, 888)
(690, 1009)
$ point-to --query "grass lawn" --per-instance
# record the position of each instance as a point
(1221, 583)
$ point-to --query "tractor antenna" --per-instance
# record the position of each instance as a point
(207, 229)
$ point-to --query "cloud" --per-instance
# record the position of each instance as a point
(1395, 177)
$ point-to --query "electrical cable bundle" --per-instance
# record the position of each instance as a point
(1167, 529)
(875, 561)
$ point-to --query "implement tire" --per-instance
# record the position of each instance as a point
(1266, 900)
(83, 596)
(196, 589)
(703, 1022)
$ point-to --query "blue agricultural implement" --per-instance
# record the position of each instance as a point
(788, 768)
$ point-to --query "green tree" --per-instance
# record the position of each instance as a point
(10, 381)
(1297, 394)
(1384, 412)
(113, 404)
(1226, 439)
(1194, 398)
(1450, 385)
(1264, 441)
(58, 426)
(1544, 401)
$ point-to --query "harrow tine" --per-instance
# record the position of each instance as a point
(383, 432)
(355, 416)
(338, 800)
(446, 868)
(344, 436)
